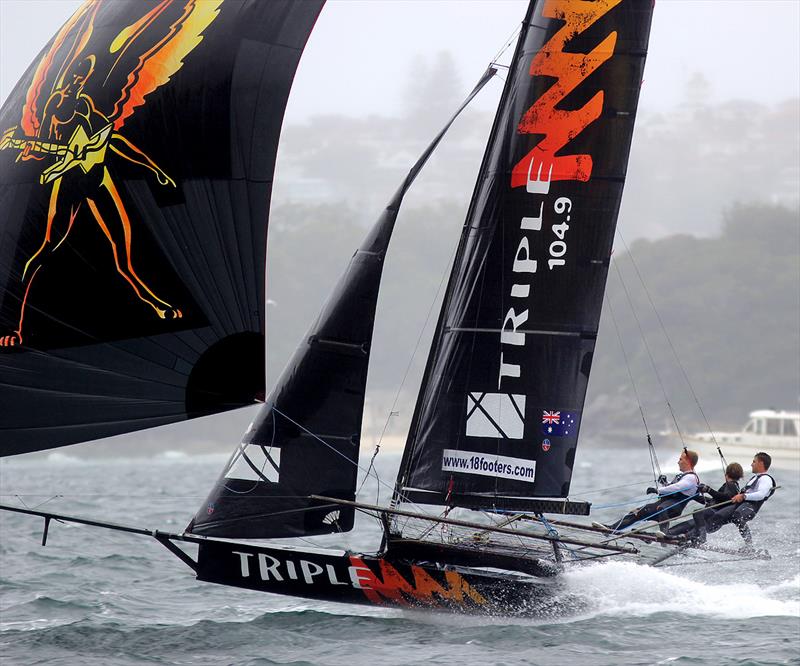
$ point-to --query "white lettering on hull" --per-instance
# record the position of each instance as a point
(272, 569)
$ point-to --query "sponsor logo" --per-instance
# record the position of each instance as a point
(484, 464)
(546, 445)
(555, 128)
(495, 415)
(270, 568)
(558, 127)
(389, 585)
(426, 590)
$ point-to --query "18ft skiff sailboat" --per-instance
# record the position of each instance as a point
(171, 244)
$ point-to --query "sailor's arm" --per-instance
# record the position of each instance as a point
(725, 492)
(686, 484)
(759, 491)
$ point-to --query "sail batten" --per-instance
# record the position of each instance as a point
(523, 331)
(499, 410)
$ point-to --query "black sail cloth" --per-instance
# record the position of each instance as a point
(498, 414)
(305, 440)
(136, 164)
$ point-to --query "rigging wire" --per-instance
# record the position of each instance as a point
(636, 500)
(336, 451)
(649, 353)
(392, 411)
(603, 490)
(672, 347)
(506, 45)
(654, 464)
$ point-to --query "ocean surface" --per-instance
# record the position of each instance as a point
(93, 596)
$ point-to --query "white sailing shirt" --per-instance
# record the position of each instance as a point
(758, 488)
(685, 482)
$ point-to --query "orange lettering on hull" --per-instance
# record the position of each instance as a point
(541, 165)
(391, 586)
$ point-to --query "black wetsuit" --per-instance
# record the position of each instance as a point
(696, 528)
(724, 493)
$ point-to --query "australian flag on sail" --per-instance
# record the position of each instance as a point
(558, 423)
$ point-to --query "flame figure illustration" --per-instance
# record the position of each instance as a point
(61, 119)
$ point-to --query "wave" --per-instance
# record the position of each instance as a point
(623, 588)
(61, 458)
(42, 612)
(171, 454)
(295, 633)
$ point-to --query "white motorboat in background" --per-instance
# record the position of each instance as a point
(775, 432)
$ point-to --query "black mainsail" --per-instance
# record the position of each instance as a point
(306, 438)
(497, 418)
(136, 164)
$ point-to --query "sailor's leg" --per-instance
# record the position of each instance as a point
(743, 515)
(719, 517)
(744, 530)
(663, 515)
(687, 528)
(639, 514)
(699, 521)
(668, 508)
(625, 521)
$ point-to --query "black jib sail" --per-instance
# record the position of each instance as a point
(136, 164)
(306, 438)
(497, 418)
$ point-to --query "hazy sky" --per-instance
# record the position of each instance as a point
(361, 53)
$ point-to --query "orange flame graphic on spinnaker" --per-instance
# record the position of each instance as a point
(66, 116)
(31, 122)
(158, 64)
(154, 68)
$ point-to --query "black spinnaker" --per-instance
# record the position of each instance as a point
(136, 164)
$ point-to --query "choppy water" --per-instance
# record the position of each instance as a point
(98, 597)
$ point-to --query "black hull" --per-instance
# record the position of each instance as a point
(377, 580)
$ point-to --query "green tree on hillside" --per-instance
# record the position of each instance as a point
(731, 307)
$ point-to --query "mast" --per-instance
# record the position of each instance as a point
(497, 417)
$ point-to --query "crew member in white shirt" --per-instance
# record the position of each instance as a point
(745, 505)
(672, 497)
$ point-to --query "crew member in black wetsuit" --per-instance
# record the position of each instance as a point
(671, 497)
(747, 503)
(695, 530)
